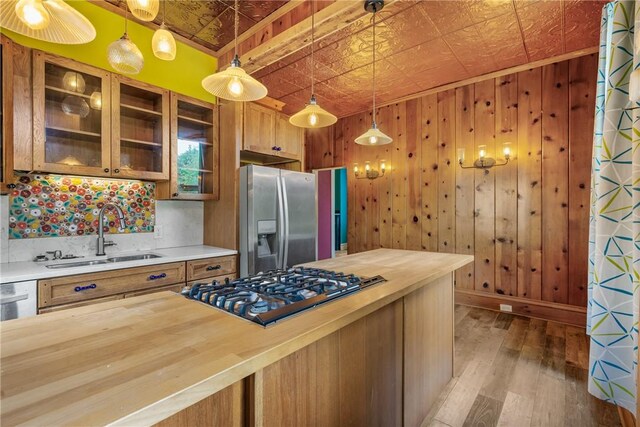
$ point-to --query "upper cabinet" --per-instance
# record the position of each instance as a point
(71, 117)
(269, 132)
(6, 111)
(194, 171)
(140, 126)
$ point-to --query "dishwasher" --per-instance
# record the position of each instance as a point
(18, 300)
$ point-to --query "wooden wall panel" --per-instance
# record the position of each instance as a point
(527, 222)
(555, 178)
(582, 92)
(529, 154)
(506, 185)
(465, 183)
(429, 168)
(485, 188)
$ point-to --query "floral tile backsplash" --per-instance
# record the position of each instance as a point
(44, 205)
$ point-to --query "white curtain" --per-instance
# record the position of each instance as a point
(614, 243)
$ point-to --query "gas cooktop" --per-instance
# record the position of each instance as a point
(273, 295)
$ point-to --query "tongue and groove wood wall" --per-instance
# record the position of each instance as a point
(526, 222)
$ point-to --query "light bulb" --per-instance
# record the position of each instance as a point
(235, 87)
(482, 151)
(507, 151)
(367, 167)
(95, 101)
(33, 14)
(373, 139)
(383, 166)
(313, 119)
(460, 155)
(355, 169)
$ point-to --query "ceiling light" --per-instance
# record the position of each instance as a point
(123, 55)
(163, 43)
(144, 10)
(373, 136)
(313, 116)
(48, 20)
(234, 84)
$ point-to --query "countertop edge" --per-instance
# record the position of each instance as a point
(176, 402)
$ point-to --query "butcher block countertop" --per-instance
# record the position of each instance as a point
(139, 360)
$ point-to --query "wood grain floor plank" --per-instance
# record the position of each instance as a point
(517, 410)
(514, 340)
(484, 412)
(497, 382)
(549, 403)
(503, 321)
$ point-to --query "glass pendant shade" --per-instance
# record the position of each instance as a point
(373, 137)
(124, 56)
(73, 82)
(234, 84)
(75, 106)
(144, 10)
(95, 101)
(48, 20)
(163, 44)
(313, 116)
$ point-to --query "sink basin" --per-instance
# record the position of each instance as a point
(109, 260)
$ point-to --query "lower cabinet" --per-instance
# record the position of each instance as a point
(84, 289)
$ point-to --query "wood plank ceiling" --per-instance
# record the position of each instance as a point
(210, 23)
(426, 44)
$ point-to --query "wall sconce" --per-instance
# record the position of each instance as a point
(484, 162)
(369, 173)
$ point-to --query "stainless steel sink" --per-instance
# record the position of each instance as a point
(109, 260)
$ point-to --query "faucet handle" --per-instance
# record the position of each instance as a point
(110, 243)
(57, 254)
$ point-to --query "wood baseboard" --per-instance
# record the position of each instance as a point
(545, 310)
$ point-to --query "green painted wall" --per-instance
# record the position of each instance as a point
(183, 75)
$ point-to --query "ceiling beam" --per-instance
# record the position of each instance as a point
(329, 20)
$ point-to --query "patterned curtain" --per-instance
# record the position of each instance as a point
(614, 241)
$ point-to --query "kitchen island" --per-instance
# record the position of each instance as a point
(380, 356)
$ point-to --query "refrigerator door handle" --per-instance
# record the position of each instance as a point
(285, 199)
(281, 223)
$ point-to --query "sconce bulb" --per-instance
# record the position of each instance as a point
(236, 87)
(483, 153)
(367, 167)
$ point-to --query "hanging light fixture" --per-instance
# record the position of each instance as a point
(144, 10)
(163, 43)
(123, 55)
(48, 20)
(312, 116)
(374, 136)
(234, 84)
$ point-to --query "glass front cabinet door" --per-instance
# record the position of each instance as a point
(194, 150)
(71, 130)
(140, 117)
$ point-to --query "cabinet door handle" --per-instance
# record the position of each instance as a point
(274, 148)
(106, 169)
(214, 267)
(279, 148)
(159, 276)
(85, 288)
(116, 170)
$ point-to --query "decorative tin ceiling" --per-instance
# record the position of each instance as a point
(426, 44)
(210, 23)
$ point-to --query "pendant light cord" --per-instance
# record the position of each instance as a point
(164, 10)
(313, 62)
(374, 67)
(236, 22)
(126, 21)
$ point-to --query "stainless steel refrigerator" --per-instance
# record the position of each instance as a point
(278, 224)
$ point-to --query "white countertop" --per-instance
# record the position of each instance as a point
(29, 270)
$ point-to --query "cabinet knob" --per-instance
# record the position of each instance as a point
(106, 169)
(11, 186)
(274, 148)
(175, 194)
(116, 170)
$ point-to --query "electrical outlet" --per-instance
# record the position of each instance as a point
(506, 307)
(158, 232)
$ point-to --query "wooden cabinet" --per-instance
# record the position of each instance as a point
(140, 121)
(83, 289)
(289, 138)
(194, 173)
(269, 132)
(71, 117)
(6, 112)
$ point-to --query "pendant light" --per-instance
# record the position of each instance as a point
(234, 84)
(48, 20)
(123, 55)
(374, 136)
(163, 43)
(313, 116)
(144, 10)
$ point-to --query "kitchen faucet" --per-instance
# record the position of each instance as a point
(101, 242)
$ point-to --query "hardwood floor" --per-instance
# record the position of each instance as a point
(513, 371)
